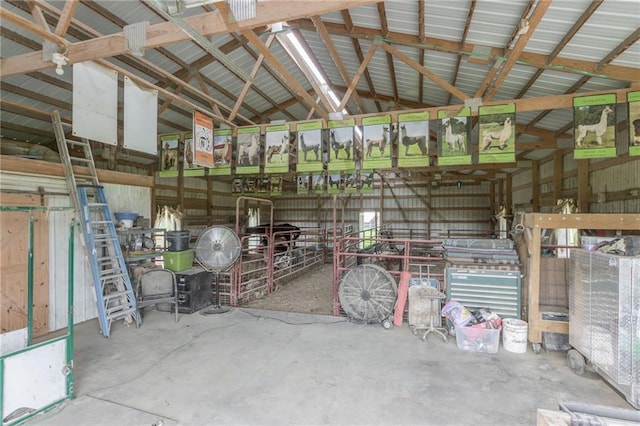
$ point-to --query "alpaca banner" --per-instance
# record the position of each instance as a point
(276, 155)
(169, 155)
(594, 131)
(222, 150)
(203, 139)
(634, 122)
(309, 147)
(188, 167)
(412, 134)
(378, 136)
(497, 125)
(318, 183)
(342, 146)
(248, 155)
(453, 137)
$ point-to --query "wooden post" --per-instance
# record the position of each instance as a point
(583, 186)
(535, 186)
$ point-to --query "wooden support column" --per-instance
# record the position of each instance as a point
(558, 174)
(535, 186)
(584, 190)
(209, 200)
(492, 197)
(508, 196)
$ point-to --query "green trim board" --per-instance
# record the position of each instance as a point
(594, 132)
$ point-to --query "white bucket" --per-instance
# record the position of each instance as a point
(514, 335)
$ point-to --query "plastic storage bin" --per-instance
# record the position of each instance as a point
(177, 261)
(478, 339)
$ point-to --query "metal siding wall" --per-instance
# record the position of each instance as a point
(622, 177)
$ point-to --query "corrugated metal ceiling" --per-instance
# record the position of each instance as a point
(609, 34)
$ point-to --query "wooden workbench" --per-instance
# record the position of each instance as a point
(534, 223)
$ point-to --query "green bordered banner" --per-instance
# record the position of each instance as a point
(497, 134)
(309, 147)
(276, 155)
(454, 147)
(318, 183)
(248, 152)
(189, 168)
(303, 184)
(169, 155)
(634, 123)
(276, 185)
(412, 133)
(594, 131)
(365, 181)
(376, 147)
(222, 152)
(335, 183)
(341, 145)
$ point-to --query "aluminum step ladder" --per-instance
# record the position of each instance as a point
(114, 293)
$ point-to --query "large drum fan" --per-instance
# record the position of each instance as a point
(217, 249)
(368, 293)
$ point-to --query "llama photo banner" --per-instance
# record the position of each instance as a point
(188, 167)
(453, 137)
(335, 183)
(341, 145)
(203, 132)
(634, 122)
(594, 131)
(222, 150)
(365, 182)
(413, 140)
(309, 140)
(276, 185)
(497, 134)
(169, 155)
(276, 155)
(318, 183)
(376, 149)
(304, 184)
(248, 155)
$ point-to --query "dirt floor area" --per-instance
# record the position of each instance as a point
(311, 293)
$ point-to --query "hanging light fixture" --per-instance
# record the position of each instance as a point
(59, 59)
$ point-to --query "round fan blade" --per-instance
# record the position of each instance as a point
(218, 248)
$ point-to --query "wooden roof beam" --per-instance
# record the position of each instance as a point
(270, 57)
(463, 40)
(384, 28)
(346, 16)
(167, 33)
(561, 45)
(328, 41)
(432, 76)
(536, 60)
(361, 69)
(421, 37)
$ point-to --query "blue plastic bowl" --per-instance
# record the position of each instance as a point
(126, 216)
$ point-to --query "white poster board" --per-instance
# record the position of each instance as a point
(35, 378)
(95, 103)
(140, 118)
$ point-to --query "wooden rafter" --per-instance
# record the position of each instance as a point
(166, 33)
(326, 38)
(65, 19)
(270, 57)
(247, 85)
(384, 29)
(561, 45)
(535, 60)
(290, 49)
(463, 40)
(535, 18)
(361, 70)
(346, 16)
(432, 76)
(421, 37)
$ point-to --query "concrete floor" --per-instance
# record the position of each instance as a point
(251, 367)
